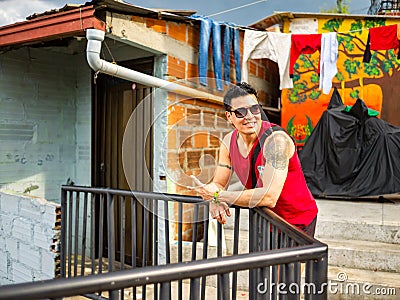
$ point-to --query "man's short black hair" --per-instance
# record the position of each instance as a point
(238, 90)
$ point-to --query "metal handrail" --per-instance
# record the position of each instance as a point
(276, 249)
(149, 275)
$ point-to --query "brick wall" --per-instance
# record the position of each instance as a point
(29, 235)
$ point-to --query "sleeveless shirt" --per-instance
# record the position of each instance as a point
(295, 204)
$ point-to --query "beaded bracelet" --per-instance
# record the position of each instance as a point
(215, 197)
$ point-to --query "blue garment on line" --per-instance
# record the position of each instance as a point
(231, 37)
(208, 29)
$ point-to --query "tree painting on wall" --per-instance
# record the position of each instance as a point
(375, 82)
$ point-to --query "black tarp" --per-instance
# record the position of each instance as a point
(351, 154)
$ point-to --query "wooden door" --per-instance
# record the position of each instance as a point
(122, 119)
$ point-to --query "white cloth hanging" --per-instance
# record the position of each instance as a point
(328, 60)
(272, 45)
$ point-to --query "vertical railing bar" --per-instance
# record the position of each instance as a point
(111, 202)
(76, 237)
(236, 235)
(84, 225)
(133, 239)
(92, 233)
(145, 240)
(194, 289)
(122, 232)
(63, 240)
(70, 223)
(194, 231)
(155, 242)
(194, 282)
(111, 231)
(219, 254)
(205, 250)
(167, 244)
(180, 250)
(252, 248)
(122, 226)
(165, 288)
(101, 233)
(309, 278)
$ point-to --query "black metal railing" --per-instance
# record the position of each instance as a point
(119, 245)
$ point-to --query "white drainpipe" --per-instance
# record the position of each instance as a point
(95, 38)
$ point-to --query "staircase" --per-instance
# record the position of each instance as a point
(364, 247)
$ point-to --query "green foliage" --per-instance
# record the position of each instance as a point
(357, 27)
(314, 95)
(314, 78)
(352, 66)
(355, 94)
(333, 25)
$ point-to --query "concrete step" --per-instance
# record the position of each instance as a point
(357, 230)
(359, 220)
(349, 283)
(366, 255)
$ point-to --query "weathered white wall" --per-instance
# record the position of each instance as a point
(28, 238)
(45, 120)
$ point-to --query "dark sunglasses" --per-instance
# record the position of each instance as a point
(241, 112)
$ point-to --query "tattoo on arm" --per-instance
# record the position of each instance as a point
(276, 150)
(225, 166)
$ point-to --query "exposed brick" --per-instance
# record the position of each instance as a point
(214, 139)
(172, 161)
(193, 117)
(203, 103)
(208, 119)
(177, 31)
(201, 139)
(252, 68)
(157, 25)
(193, 158)
(222, 122)
(176, 67)
(185, 139)
(138, 19)
(192, 71)
(175, 114)
(193, 36)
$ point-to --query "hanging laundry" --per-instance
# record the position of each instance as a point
(303, 44)
(231, 37)
(329, 56)
(272, 45)
(208, 29)
(381, 38)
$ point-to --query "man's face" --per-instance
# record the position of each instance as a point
(245, 114)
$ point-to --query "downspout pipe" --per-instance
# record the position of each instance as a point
(95, 38)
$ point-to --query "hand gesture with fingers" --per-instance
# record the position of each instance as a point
(207, 191)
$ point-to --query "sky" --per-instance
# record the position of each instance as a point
(247, 12)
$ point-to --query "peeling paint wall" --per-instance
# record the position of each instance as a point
(45, 121)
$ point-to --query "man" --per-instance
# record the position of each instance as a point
(265, 160)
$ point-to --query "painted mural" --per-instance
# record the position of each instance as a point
(376, 82)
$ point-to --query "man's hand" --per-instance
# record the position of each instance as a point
(206, 191)
(217, 211)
